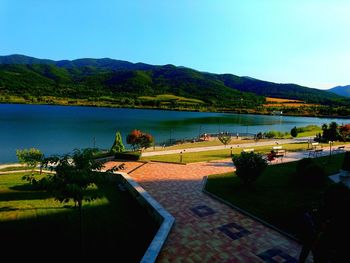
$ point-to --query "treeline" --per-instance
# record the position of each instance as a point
(108, 82)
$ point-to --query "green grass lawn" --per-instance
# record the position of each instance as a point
(14, 168)
(214, 142)
(33, 222)
(191, 157)
(309, 131)
(274, 197)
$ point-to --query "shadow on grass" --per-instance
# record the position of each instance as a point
(29, 195)
(109, 230)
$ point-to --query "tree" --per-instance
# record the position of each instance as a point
(249, 166)
(133, 138)
(330, 132)
(118, 145)
(138, 139)
(344, 132)
(31, 157)
(294, 132)
(73, 175)
(145, 140)
(224, 139)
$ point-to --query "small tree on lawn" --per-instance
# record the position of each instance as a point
(344, 132)
(73, 175)
(118, 145)
(31, 157)
(138, 139)
(145, 140)
(133, 138)
(224, 139)
(249, 166)
(294, 132)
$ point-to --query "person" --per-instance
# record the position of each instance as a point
(309, 235)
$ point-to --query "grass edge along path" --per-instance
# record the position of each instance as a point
(211, 155)
(30, 220)
(274, 197)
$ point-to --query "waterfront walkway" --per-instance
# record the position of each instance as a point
(222, 147)
(205, 229)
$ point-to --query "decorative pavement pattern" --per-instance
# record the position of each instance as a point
(206, 230)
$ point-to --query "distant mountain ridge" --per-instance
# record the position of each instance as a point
(341, 90)
(89, 78)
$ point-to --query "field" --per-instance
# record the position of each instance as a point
(279, 103)
(169, 98)
(34, 224)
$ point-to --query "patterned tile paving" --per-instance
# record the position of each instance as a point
(206, 230)
(234, 231)
(202, 210)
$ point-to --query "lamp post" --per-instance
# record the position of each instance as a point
(181, 155)
(330, 149)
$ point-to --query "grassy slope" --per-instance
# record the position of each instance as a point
(274, 197)
(31, 220)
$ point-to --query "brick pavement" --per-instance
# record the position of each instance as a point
(206, 230)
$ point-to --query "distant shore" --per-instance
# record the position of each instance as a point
(85, 103)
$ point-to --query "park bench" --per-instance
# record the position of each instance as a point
(340, 148)
(317, 150)
(279, 153)
(248, 150)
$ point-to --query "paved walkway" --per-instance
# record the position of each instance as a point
(206, 230)
(222, 147)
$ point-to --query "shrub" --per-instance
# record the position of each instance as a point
(224, 139)
(133, 156)
(249, 166)
(309, 173)
(118, 145)
(294, 132)
(346, 162)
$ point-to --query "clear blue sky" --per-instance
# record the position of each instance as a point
(288, 41)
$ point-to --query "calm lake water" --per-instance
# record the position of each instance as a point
(60, 129)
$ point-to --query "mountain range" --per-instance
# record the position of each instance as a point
(125, 83)
(341, 90)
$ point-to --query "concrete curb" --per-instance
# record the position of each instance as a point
(204, 183)
(167, 220)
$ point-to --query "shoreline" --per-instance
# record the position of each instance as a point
(174, 109)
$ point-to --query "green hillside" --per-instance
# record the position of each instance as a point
(108, 82)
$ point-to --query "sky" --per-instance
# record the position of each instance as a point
(291, 41)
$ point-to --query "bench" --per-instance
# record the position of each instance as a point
(340, 148)
(248, 150)
(316, 151)
(279, 153)
(277, 148)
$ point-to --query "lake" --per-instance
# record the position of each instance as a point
(60, 129)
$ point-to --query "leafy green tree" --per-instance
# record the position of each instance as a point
(74, 174)
(224, 139)
(330, 132)
(249, 166)
(294, 132)
(118, 145)
(31, 157)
